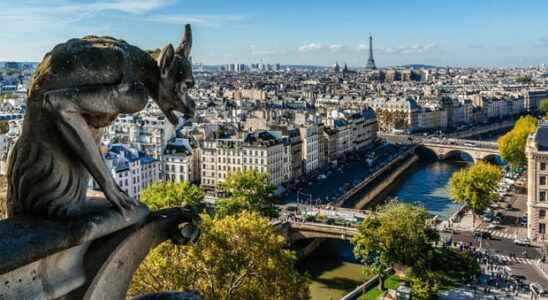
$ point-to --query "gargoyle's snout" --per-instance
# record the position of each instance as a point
(189, 83)
(188, 107)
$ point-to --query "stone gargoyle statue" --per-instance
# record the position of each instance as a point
(78, 89)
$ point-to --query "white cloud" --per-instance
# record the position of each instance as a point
(126, 6)
(315, 47)
(362, 47)
(410, 49)
(63, 12)
(310, 47)
(205, 20)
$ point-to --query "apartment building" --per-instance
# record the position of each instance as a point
(310, 139)
(132, 170)
(537, 183)
(181, 160)
(262, 151)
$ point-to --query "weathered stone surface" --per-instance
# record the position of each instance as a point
(111, 261)
(27, 239)
(78, 259)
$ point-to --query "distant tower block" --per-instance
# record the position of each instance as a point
(371, 61)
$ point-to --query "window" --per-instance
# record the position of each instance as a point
(542, 214)
(542, 180)
(542, 196)
(542, 228)
(542, 166)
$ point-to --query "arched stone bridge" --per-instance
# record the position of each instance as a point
(476, 150)
(295, 231)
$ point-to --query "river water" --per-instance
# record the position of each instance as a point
(333, 268)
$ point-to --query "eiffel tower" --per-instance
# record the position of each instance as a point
(371, 61)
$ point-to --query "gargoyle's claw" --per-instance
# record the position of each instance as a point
(119, 199)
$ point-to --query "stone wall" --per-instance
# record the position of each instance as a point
(3, 192)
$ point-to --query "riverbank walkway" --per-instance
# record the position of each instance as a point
(338, 181)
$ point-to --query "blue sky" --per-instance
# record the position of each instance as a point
(493, 33)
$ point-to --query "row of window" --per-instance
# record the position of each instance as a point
(245, 152)
(232, 169)
(174, 177)
(175, 168)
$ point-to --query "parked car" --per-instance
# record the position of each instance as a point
(492, 226)
(330, 221)
(488, 218)
(522, 242)
(496, 220)
(518, 277)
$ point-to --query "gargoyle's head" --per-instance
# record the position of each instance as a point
(176, 79)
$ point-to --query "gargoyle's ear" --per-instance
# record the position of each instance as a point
(166, 59)
(186, 44)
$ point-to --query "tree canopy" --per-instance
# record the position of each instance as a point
(247, 190)
(398, 233)
(543, 106)
(512, 145)
(171, 194)
(236, 257)
(4, 127)
(523, 79)
(475, 186)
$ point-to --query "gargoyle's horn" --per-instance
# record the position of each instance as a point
(186, 44)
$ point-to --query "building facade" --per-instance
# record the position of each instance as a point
(132, 170)
(261, 151)
(181, 161)
(537, 183)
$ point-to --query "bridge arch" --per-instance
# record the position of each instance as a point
(459, 154)
(426, 153)
(495, 159)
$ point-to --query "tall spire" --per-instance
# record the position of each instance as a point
(371, 62)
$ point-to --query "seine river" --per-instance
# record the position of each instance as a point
(333, 268)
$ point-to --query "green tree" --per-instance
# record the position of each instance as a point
(171, 194)
(247, 190)
(543, 106)
(425, 286)
(512, 145)
(523, 79)
(397, 233)
(475, 186)
(4, 127)
(236, 257)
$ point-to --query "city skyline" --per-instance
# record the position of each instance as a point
(464, 33)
